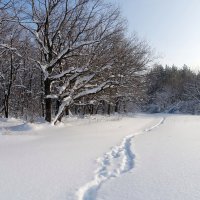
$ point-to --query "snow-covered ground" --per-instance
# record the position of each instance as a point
(141, 157)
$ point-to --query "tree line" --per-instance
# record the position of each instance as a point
(62, 56)
(173, 90)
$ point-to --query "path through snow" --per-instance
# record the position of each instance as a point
(114, 163)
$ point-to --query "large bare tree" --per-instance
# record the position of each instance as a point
(60, 53)
(64, 30)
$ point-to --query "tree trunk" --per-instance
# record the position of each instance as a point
(92, 110)
(103, 107)
(47, 84)
(109, 109)
(57, 110)
(6, 106)
(7, 94)
(67, 111)
(125, 111)
(97, 108)
(42, 95)
(117, 106)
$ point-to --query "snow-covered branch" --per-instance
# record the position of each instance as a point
(94, 90)
(65, 102)
(52, 96)
(67, 50)
(81, 81)
(15, 50)
(71, 70)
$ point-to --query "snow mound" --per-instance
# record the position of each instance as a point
(18, 126)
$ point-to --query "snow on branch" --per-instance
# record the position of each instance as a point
(2, 109)
(71, 70)
(36, 34)
(52, 96)
(58, 76)
(81, 81)
(65, 102)
(42, 67)
(84, 43)
(68, 50)
(66, 84)
(58, 58)
(2, 76)
(95, 90)
(11, 49)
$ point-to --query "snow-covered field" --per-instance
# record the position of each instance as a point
(139, 157)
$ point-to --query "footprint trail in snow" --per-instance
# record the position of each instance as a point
(117, 161)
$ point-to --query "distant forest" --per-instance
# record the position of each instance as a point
(173, 90)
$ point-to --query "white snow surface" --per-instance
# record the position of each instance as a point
(138, 157)
(167, 164)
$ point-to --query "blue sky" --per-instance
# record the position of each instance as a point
(172, 27)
